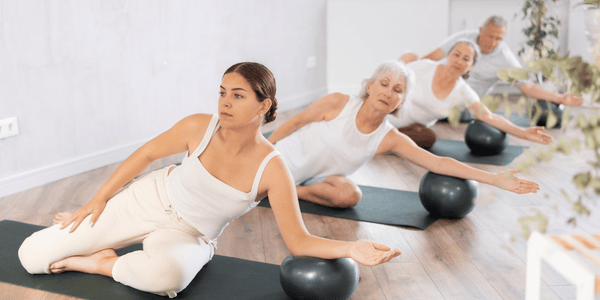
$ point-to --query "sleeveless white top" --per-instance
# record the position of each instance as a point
(423, 107)
(204, 201)
(334, 147)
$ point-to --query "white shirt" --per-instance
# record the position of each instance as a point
(483, 75)
(423, 107)
(204, 201)
(334, 147)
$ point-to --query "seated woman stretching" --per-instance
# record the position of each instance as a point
(338, 133)
(439, 87)
(178, 212)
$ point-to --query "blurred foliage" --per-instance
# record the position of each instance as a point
(595, 3)
(539, 222)
(578, 77)
(541, 28)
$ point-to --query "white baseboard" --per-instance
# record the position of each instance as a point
(33, 178)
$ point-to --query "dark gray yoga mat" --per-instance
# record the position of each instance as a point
(222, 278)
(378, 205)
(459, 151)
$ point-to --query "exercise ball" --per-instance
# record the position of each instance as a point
(557, 110)
(315, 278)
(446, 196)
(484, 139)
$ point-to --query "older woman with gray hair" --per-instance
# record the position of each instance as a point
(338, 133)
(440, 87)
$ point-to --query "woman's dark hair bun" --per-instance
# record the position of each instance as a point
(272, 113)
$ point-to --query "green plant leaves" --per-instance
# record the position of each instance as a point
(491, 102)
(538, 221)
(582, 180)
(522, 105)
(565, 118)
(579, 208)
(454, 116)
(512, 74)
(551, 119)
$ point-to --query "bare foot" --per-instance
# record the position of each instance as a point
(100, 262)
(60, 217)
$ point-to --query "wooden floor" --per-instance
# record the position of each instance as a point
(479, 257)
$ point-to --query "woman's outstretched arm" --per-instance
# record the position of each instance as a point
(177, 139)
(533, 133)
(401, 145)
(323, 109)
(281, 191)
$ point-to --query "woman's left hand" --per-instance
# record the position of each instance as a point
(535, 134)
(370, 253)
(514, 184)
(569, 99)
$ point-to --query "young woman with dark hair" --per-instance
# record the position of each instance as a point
(179, 211)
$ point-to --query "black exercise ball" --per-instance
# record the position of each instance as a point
(316, 278)
(484, 139)
(446, 196)
(557, 110)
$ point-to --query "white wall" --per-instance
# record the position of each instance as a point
(578, 42)
(90, 81)
(364, 33)
(361, 34)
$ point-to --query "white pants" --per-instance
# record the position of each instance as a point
(173, 251)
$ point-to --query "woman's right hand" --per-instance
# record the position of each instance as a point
(369, 253)
(93, 207)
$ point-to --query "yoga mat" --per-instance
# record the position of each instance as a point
(378, 205)
(221, 278)
(459, 151)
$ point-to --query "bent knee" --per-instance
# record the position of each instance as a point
(161, 276)
(32, 258)
(350, 196)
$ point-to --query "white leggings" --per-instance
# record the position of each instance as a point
(173, 251)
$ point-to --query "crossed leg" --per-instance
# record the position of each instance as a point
(100, 262)
(334, 191)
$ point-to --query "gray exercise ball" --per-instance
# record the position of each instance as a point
(315, 278)
(483, 139)
(446, 196)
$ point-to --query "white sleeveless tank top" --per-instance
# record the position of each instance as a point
(334, 147)
(204, 201)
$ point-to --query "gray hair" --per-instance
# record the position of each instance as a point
(396, 69)
(494, 20)
(476, 50)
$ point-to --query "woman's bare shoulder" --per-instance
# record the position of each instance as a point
(338, 98)
(196, 122)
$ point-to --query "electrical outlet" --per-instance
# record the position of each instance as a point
(8, 127)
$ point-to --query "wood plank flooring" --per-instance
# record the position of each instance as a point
(481, 256)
